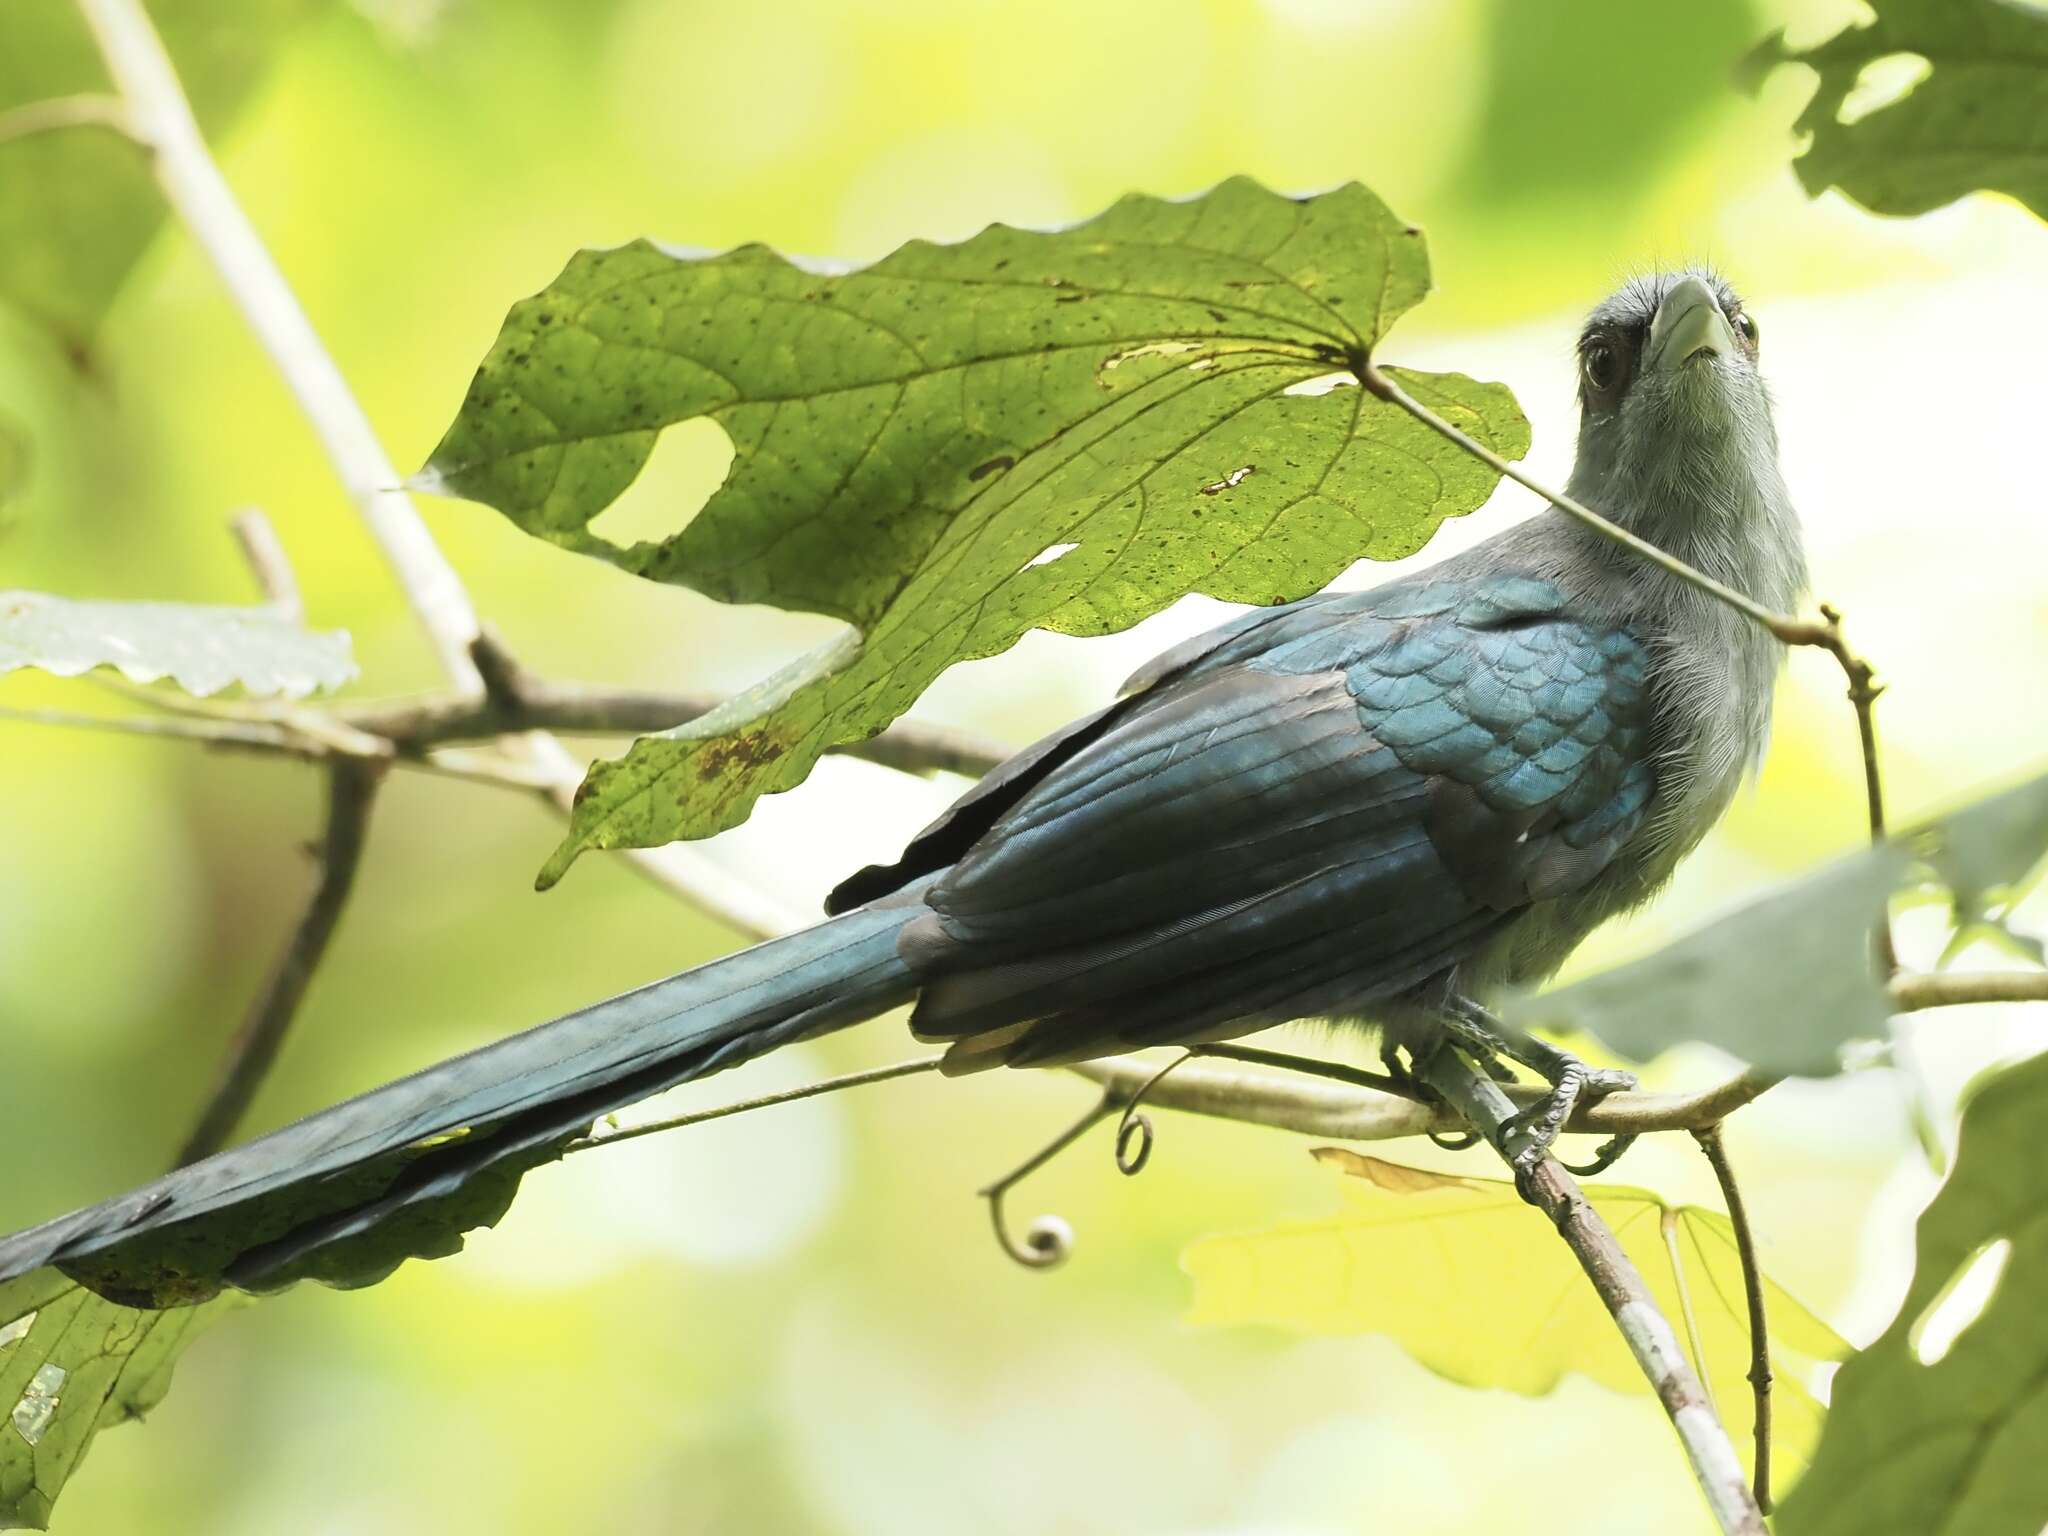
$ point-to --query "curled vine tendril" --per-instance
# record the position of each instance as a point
(1605, 1156)
(1049, 1239)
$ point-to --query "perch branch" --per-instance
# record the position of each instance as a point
(351, 791)
(1621, 1287)
(1336, 1111)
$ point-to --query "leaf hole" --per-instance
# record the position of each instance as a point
(688, 464)
(1050, 553)
(37, 1406)
(1882, 83)
(1960, 1302)
(1323, 383)
(16, 1330)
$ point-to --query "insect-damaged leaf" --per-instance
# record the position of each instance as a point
(1064, 431)
(1421, 1257)
(1955, 1444)
(71, 1364)
(1973, 116)
(1788, 980)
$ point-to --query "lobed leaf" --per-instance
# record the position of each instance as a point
(1064, 431)
(1954, 1445)
(1421, 1256)
(1977, 119)
(201, 649)
(1787, 981)
(72, 1363)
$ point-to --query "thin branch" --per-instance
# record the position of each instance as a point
(1715, 1466)
(252, 735)
(1338, 1072)
(351, 791)
(766, 1100)
(1339, 1112)
(159, 116)
(86, 110)
(1948, 989)
(268, 563)
(1753, 1294)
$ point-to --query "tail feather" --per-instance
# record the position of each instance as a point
(349, 1193)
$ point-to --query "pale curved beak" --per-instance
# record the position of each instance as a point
(1688, 323)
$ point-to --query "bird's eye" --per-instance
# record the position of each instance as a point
(1745, 327)
(1601, 367)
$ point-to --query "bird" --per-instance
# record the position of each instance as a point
(1382, 808)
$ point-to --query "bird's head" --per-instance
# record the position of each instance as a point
(1676, 440)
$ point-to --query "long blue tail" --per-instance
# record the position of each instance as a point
(349, 1193)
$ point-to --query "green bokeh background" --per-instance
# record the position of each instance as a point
(796, 1322)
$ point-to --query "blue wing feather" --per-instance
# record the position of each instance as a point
(1298, 809)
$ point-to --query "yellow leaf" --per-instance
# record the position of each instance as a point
(1477, 1287)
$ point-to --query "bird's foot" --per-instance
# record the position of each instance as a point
(1572, 1083)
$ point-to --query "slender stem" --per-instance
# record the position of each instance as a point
(160, 117)
(253, 735)
(1825, 634)
(786, 1096)
(1791, 631)
(268, 563)
(1715, 1466)
(351, 790)
(1710, 1142)
(1947, 989)
(87, 110)
(1336, 1072)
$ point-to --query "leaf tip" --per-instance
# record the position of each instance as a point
(565, 854)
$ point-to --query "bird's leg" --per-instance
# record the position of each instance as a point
(1570, 1079)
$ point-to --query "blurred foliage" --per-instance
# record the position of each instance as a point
(78, 205)
(964, 442)
(1560, 64)
(1454, 1269)
(795, 1322)
(1937, 1424)
(1786, 982)
(202, 650)
(1928, 101)
(71, 1364)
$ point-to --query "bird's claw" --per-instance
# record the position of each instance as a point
(1572, 1084)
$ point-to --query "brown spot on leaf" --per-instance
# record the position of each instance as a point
(1000, 462)
(748, 749)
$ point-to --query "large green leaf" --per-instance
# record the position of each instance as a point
(1978, 120)
(72, 1363)
(78, 204)
(1787, 981)
(960, 443)
(202, 649)
(1471, 1283)
(1954, 1446)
